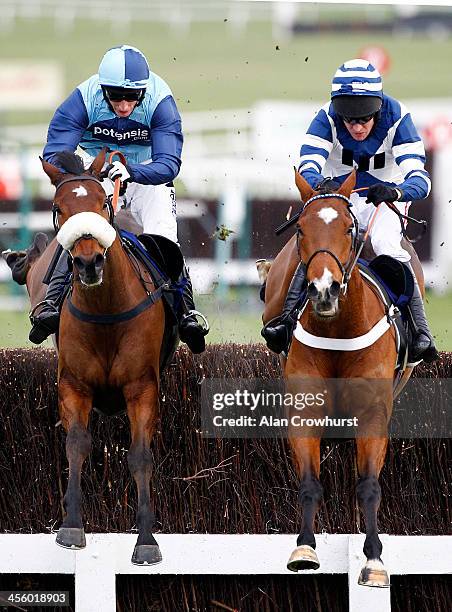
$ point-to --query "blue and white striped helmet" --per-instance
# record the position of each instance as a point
(357, 77)
(357, 89)
(124, 66)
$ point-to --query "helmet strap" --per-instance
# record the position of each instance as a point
(143, 93)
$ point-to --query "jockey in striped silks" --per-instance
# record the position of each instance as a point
(364, 129)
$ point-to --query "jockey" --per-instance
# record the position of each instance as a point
(127, 107)
(365, 129)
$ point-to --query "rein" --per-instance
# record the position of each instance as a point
(401, 216)
(356, 246)
(282, 228)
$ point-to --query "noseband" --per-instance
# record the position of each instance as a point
(347, 268)
(82, 177)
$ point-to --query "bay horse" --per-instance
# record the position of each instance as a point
(338, 307)
(111, 358)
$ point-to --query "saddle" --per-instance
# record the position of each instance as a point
(394, 284)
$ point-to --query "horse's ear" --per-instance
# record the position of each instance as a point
(98, 163)
(52, 171)
(348, 185)
(304, 187)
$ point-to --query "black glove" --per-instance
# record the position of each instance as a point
(328, 185)
(380, 192)
(118, 170)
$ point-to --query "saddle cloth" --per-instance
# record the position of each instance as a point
(394, 284)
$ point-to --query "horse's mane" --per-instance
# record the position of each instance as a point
(70, 162)
(323, 191)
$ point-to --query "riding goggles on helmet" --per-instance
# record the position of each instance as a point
(359, 120)
(119, 94)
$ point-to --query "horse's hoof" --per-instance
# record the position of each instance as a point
(374, 574)
(146, 554)
(71, 537)
(303, 558)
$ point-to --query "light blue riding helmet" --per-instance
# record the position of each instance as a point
(357, 89)
(124, 67)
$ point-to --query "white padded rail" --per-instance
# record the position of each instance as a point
(106, 555)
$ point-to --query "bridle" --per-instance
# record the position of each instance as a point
(109, 318)
(81, 177)
(347, 268)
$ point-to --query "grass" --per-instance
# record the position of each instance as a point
(237, 321)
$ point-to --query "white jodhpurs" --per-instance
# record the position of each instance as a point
(386, 232)
(152, 206)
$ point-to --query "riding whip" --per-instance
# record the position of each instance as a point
(122, 159)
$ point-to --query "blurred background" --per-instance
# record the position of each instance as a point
(247, 77)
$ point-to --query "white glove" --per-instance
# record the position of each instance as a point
(118, 170)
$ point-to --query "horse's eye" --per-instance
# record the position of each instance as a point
(350, 230)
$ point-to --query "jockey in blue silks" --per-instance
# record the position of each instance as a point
(126, 107)
(363, 128)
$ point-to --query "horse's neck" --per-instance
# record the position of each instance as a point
(120, 289)
(354, 317)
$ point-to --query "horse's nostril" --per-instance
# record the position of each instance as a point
(335, 289)
(78, 263)
(92, 266)
(312, 291)
(99, 260)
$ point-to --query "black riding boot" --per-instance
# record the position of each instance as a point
(190, 330)
(45, 316)
(423, 345)
(278, 331)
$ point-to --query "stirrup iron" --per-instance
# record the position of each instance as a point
(204, 324)
(32, 312)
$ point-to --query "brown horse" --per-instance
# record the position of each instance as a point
(111, 358)
(338, 307)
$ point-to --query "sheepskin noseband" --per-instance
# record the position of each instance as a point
(86, 224)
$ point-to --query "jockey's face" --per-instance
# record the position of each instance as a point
(123, 108)
(360, 131)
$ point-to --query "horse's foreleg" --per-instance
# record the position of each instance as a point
(74, 411)
(371, 454)
(306, 454)
(142, 408)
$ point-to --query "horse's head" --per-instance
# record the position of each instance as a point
(82, 214)
(326, 233)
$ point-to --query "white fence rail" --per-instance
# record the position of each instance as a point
(106, 555)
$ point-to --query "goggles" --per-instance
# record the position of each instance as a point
(129, 95)
(359, 120)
